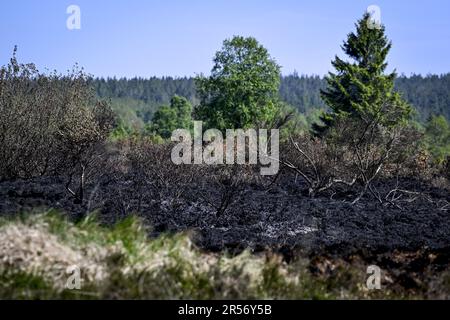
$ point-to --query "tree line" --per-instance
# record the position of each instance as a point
(140, 97)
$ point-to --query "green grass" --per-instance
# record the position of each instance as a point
(120, 262)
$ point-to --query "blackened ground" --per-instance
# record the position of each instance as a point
(280, 218)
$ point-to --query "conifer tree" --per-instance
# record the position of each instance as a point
(360, 88)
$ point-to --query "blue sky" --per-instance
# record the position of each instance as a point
(177, 38)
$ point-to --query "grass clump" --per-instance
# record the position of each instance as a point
(121, 262)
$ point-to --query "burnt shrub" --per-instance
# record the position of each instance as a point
(160, 184)
(319, 164)
(353, 155)
(152, 171)
(50, 124)
(446, 168)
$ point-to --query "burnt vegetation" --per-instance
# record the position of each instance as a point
(56, 152)
(361, 179)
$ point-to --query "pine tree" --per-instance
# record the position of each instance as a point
(360, 89)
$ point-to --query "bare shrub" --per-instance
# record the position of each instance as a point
(371, 146)
(446, 168)
(353, 154)
(409, 158)
(49, 124)
(220, 185)
(152, 170)
(80, 140)
(319, 164)
(156, 178)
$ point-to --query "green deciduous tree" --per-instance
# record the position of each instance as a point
(169, 118)
(242, 90)
(437, 137)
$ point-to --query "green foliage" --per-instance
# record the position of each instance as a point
(430, 94)
(303, 92)
(153, 91)
(169, 118)
(242, 90)
(297, 122)
(24, 286)
(437, 138)
(360, 89)
(120, 262)
(132, 113)
(136, 100)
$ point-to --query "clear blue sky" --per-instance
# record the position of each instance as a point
(179, 37)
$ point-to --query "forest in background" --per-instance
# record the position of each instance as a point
(137, 99)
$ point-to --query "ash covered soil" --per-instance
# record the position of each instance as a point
(278, 218)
